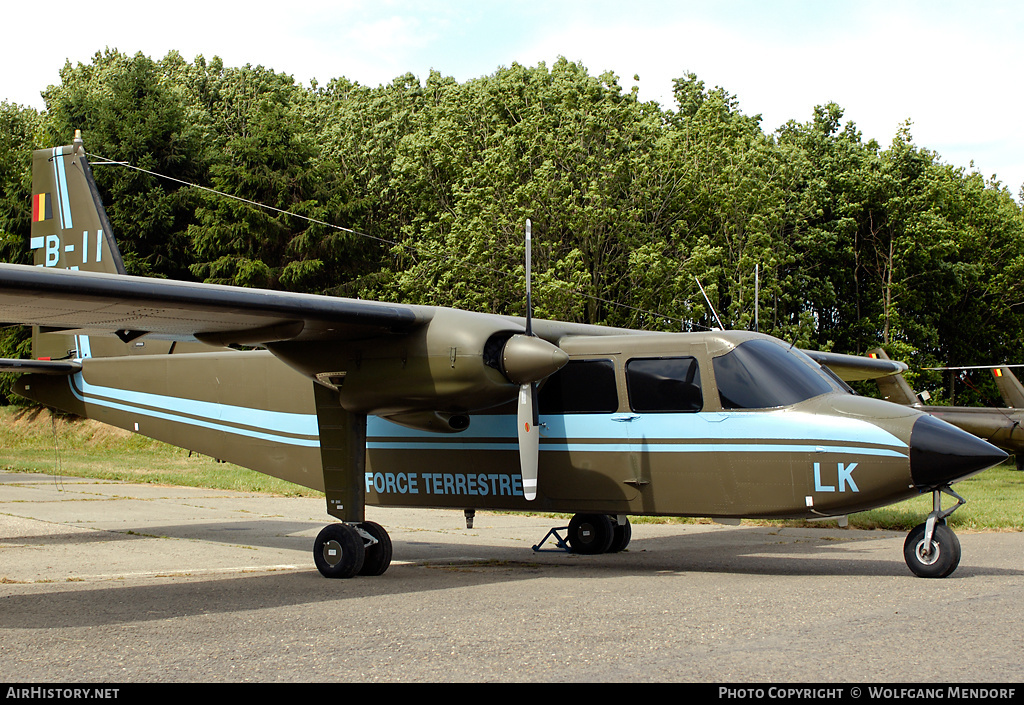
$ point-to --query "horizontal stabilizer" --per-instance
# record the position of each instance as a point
(40, 367)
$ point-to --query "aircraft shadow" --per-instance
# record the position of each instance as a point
(733, 552)
(269, 535)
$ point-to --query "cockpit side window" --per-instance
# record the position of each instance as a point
(664, 384)
(760, 374)
(581, 387)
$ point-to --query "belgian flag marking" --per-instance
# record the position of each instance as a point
(42, 207)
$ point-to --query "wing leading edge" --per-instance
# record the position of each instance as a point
(99, 303)
(854, 368)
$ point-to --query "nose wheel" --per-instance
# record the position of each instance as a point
(932, 550)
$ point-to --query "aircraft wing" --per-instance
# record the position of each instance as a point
(98, 303)
(854, 368)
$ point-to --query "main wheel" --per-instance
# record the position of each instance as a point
(378, 555)
(590, 533)
(621, 534)
(338, 551)
(941, 560)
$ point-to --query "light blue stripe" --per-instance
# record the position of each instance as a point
(712, 432)
(627, 448)
(56, 183)
(716, 428)
(84, 346)
(466, 445)
(275, 422)
(62, 185)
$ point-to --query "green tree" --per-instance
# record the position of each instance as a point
(19, 136)
(129, 110)
(263, 155)
(418, 191)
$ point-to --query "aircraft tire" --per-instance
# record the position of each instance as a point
(338, 551)
(945, 555)
(590, 534)
(378, 555)
(621, 534)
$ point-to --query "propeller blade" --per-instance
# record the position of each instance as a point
(529, 295)
(529, 439)
(537, 359)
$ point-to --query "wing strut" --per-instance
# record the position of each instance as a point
(343, 455)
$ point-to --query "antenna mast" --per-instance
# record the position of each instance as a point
(715, 313)
(757, 294)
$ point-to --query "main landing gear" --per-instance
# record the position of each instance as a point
(598, 533)
(932, 550)
(594, 533)
(345, 550)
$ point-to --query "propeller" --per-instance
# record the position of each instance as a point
(526, 415)
(526, 360)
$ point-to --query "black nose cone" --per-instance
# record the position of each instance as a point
(941, 453)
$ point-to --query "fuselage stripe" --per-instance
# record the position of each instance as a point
(620, 447)
(752, 434)
(280, 427)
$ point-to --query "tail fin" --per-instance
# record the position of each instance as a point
(894, 388)
(70, 229)
(1009, 387)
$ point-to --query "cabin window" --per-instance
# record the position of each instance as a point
(761, 374)
(581, 387)
(664, 384)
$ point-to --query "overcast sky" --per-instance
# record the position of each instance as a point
(952, 68)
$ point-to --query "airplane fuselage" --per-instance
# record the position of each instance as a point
(611, 440)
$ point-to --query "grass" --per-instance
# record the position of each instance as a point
(31, 440)
(995, 502)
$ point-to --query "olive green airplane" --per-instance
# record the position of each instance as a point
(999, 426)
(424, 406)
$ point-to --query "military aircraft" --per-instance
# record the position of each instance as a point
(1000, 427)
(402, 405)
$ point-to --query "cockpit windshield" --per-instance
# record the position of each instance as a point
(761, 374)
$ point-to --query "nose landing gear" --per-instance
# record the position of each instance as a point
(932, 550)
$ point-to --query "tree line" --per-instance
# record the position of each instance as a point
(418, 191)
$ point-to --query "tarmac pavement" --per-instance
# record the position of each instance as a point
(107, 582)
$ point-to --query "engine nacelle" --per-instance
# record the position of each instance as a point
(456, 363)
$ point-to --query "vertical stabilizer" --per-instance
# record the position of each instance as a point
(70, 230)
(1009, 387)
(893, 387)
